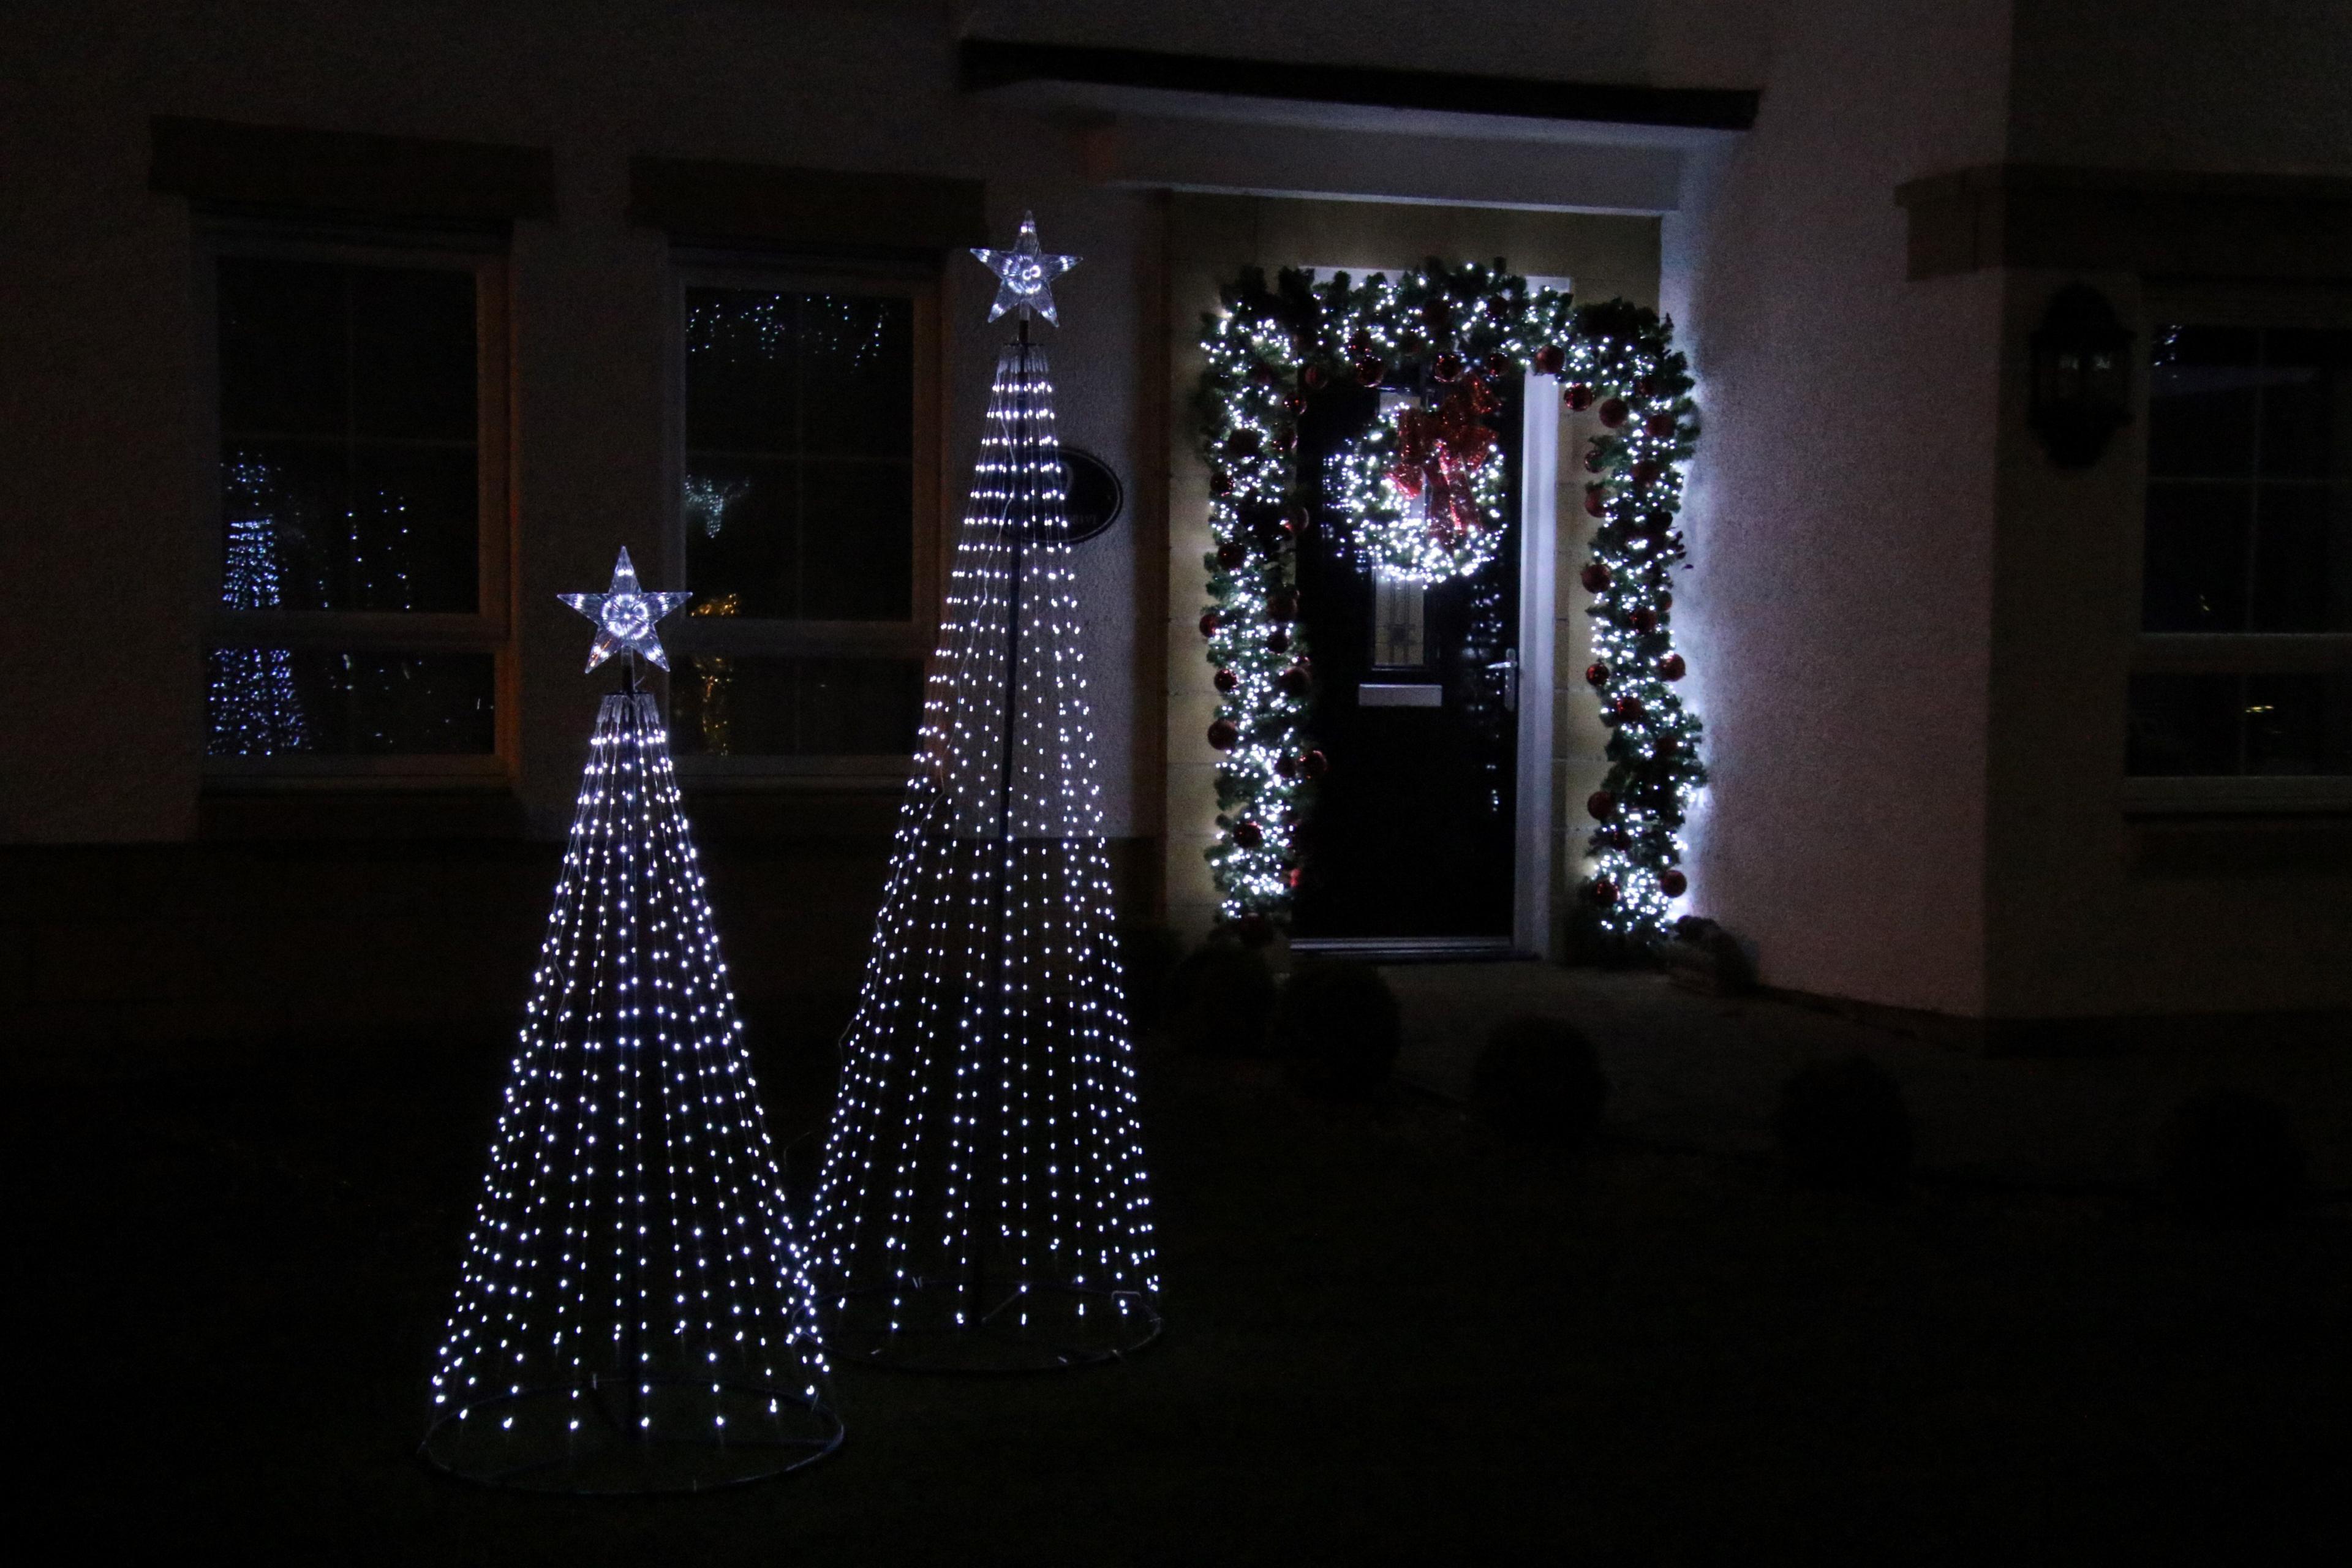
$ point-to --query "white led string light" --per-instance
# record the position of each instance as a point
(633, 1312)
(1268, 352)
(983, 1202)
(253, 708)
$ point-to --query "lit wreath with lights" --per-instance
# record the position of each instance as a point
(1423, 493)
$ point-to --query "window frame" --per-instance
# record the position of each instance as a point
(2228, 653)
(779, 637)
(486, 630)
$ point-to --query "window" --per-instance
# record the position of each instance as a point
(809, 524)
(2242, 689)
(359, 488)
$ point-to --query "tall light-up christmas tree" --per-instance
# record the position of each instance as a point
(634, 1313)
(984, 1202)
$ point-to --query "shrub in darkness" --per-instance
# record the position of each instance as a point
(1842, 1124)
(1538, 1079)
(1147, 956)
(2224, 1157)
(1338, 1024)
(1219, 1000)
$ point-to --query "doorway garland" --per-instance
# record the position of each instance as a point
(1463, 328)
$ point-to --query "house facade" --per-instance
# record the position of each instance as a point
(338, 343)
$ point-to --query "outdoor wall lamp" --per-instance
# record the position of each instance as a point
(2082, 376)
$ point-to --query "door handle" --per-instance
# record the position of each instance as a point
(1509, 664)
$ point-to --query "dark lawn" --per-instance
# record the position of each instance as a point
(1389, 1337)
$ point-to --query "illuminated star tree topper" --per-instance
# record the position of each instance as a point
(1024, 275)
(625, 615)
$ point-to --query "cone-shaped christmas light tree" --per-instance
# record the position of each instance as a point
(982, 1204)
(632, 1314)
(253, 711)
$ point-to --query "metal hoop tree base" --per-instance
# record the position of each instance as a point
(615, 1439)
(943, 1325)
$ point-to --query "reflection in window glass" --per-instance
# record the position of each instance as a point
(276, 702)
(2250, 480)
(2209, 724)
(800, 453)
(731, 705)
(348, 433)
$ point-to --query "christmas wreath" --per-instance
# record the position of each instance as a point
(1423, 493)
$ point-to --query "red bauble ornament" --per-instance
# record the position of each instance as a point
(1594, 674)
(1642, 387)
(1437, 313)
(1278, 640)
(1244, 444)
(1497, 365)
(1312, 377)
(1290, 879)
(1645, 472)
(1596, 576)
(1447, 368)
(1645, 621)
(1296, 401)
(1672, 883)
(1577, 395)
(1629, 709)
(1296, 678)
(1604, 891)
(1283, 606)
(1595, 458)
(1210, 623)
(1371, 372)
(1359, 343)
(1497, 305)
(1221, 483)
(1226, 681)
(1299, 514)
(1248, 835)
(1232, 554)
(1314, 764)
(1285, 438)
(1672, 667)
(1596, 501)
(1286, 766)
(1659, 426)
(1613, 413)
(1549, 359)
(1223, 735)
(1600, 803)
(1666, 601)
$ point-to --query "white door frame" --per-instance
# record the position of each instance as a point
(1539, 565)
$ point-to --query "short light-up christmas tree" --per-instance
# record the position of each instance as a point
(253, 708)
(634, 1313)
(983, 1204)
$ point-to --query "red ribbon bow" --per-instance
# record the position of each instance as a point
(1436, 453)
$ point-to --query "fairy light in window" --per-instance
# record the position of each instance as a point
(253, 708)
(634, 1311)
(984, 1202)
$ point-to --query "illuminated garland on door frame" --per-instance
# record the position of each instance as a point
(1268, 350)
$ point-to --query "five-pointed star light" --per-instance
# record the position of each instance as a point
(625, 616)
(1024, 275)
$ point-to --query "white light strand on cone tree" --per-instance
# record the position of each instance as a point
(984, 1202)
(254, 709)
(1269, 351)
(634, 1311)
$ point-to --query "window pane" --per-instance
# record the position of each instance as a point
(2200, 400)
(799, 452)
(2250, 481)
(412, 353)
(266, 703)
(347, 452)
(2240, 724)
(2194, 577)
(728, 705)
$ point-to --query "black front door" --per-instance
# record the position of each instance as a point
(1414, 829)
